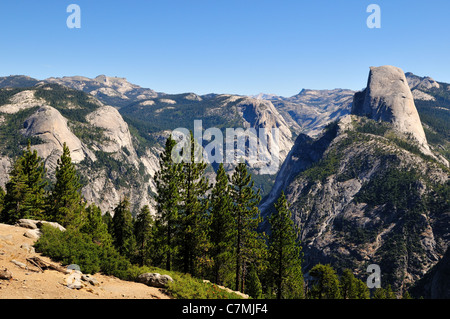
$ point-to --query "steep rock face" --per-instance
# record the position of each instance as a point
(436, 283)
(365, 192)
(100, 142)
(115, 129)
(262, 114)
(311, 110)
(51, 127)
(388, 98)
(366, 200)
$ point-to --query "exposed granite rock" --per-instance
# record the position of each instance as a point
(388, 98)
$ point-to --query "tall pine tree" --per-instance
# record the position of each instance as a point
(143, 234)
(249, 244)
(122, 224)
(66, 203)
(285, 269)
(168, 180)
(222, 229)
(193, 211)
(325, 284)
(25, 191)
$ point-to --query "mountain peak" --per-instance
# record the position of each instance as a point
(388, 98)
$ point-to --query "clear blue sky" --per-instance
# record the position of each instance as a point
(225, 46)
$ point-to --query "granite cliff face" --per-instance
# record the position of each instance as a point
(388, 98)
(368, 189)
(99, 139)
(311, 110)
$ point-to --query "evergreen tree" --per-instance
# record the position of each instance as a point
(222, 229)
(351, 287)
(253, 285)
(193, 211)
(167, 180)
(249, 244)
(2, 200)
(25, 191)
(123, 237)
(66, 202)
(143, 234)
(285, 269)
(107, 220)
(95, 226)
(326, 283)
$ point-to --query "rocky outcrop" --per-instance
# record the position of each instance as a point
(436, 283)
(262, 114)
(388, 98)
(109, 90)
(116, 132)
(348, 196)
(421, 83)
(21, 101)
(51, 127)
(367, 190)
(311, 110)
(155, 280)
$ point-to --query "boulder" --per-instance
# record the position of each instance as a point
(33, 233)
(5, 274)
(36, 224)
(30, 249)
(53, 224)
(155, 280)
(91, 280)
(27, 223)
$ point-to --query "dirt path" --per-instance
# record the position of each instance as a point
(50, 284)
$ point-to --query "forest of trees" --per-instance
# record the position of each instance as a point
(207, 231)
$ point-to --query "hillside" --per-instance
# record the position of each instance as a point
(32, 284)
(110, 160)
(365, 191)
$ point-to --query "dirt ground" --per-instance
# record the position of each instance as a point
(30, 283)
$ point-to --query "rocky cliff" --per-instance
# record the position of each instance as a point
(388, 98)
(365, 192)
(99, 140)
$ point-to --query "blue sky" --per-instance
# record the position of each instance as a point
(232, 46)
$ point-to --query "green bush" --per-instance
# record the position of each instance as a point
(74, 247)
(184, 286)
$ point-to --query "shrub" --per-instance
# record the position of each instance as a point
(75, 247)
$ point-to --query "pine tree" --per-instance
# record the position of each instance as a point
(253, 284)
(123, 237)
(66, 202)
(222, 229)
(351, 287)
(25, 191)
(249, 244)
(326, 282)
(143, 234)
(167, 180)
(193, 212)
(96, 227)
(285, 269)
(2, 200)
